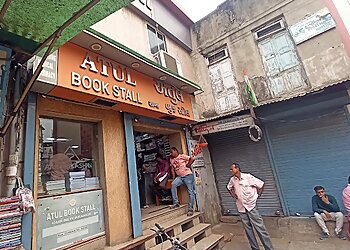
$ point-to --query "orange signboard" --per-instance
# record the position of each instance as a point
(92, 75)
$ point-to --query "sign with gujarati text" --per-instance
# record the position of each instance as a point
(312, 26)
(222, 125)
(63, 220)
(199, 158)
(87, 72)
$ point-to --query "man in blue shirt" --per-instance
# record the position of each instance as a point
(326, 208)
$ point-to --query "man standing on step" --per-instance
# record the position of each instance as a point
(326, 208)
(181, 165)
(245, 189)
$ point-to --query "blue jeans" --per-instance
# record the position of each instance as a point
(187, 180)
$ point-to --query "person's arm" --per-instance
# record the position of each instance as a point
(260, 190)
(333, 204)
(346, 199)
(258, 184)
(231, 189)
(315, 207)
(190, 162)
(166, 168)
(173, 171)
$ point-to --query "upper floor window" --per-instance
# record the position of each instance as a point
(156, 40)
(279, 55)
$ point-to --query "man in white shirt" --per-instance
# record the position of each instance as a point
(245, 189)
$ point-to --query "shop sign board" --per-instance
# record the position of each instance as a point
(84, 71)
(64, 220)
(312, 26)
(49, 71)
(222, 125)
(199, 158)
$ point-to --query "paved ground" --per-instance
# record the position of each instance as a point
(281, 239)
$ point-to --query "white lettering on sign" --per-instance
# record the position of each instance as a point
(173, 93)
(118, 72)
(88, 83)
(105, 88)
(90, 62)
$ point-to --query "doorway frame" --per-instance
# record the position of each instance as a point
(142, 124)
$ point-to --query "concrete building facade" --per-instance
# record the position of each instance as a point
(293, 56)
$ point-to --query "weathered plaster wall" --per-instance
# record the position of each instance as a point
(207, 192)
(131, 31)
(233, 24)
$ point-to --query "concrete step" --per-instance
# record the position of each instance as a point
(161, 215)
(148, 237)
(301, 228)
(176, 227)
(208, 243)
(187, 237)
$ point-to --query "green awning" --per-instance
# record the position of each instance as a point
(26, 24)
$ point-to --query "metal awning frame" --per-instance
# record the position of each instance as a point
(50, 41)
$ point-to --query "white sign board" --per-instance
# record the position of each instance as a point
(49, 71)
(198, 159)
(312, 26)
(223, 125)
(64, 220)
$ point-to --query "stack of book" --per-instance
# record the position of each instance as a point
(55, 186)
(92, 183)
(10, 223)
(75, 181)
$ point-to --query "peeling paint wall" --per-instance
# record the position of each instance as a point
(207, 192)
(323, 58)
(137, 38)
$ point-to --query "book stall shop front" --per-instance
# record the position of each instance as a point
(91, 126)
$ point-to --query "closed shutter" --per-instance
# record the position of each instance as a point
(310, 153)
(235, 146)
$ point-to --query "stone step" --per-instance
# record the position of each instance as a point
(187, 237)
(148, 237)
(208, 243)
(303, 228)
(161, 215)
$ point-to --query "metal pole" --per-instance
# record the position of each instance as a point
(4, 8)
(12, 168)
(28, 87)
(53, 38)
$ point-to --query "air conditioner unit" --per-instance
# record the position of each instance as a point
(166, 60)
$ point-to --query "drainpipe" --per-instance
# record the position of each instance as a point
(16, 142)
(12, 168)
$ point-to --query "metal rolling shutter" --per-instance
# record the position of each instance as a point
(310, 153)
(235, 146)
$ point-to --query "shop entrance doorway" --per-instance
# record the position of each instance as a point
(152, 149)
